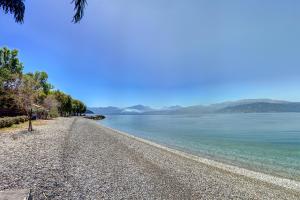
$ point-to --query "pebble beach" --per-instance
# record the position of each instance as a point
(76, 158)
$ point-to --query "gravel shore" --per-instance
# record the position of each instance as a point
(75, 158)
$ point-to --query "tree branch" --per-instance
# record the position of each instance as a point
(15, 7)
(79, 9)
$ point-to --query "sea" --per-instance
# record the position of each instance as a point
(263, 142)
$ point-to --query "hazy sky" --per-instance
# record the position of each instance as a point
(162, 52)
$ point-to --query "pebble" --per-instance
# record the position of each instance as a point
(75, 158)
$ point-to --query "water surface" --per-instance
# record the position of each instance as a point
(268, 143)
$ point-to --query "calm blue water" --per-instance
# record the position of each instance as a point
(263, 142)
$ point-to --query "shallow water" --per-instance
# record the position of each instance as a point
(268, 143)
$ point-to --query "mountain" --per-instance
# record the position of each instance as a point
(245, 105)
(198, 109)
(137, 109)
(262, 107)
(222, 105)
(172, 107)
(110, 110)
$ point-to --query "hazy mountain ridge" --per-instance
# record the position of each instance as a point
(240, 106)
(263, 107)
(137, 109)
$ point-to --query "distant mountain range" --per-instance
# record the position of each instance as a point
(240, 106)
(110, 110)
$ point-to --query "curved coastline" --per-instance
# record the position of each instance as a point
(75, 158)
(278, 181)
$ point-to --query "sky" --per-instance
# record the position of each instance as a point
(162, 52)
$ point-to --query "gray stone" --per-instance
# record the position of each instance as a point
(23, 194)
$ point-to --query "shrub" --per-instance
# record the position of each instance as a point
(15, 120)
(9, 121)
(22, 120)
(53, 113)
(95, 117)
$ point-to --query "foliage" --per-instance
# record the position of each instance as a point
(79, 9)
(42, 79)
(28, 94)
(11, 70)
(42, 84)
(31, 93)
(51, 105)
(95, 117)
(78, 107)
(17, 8)
(65, 103)
(9, 121)
(53, 112)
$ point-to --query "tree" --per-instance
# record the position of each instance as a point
(78, 108)
(27, 93)
(27, 96)
(11, 70)
(17, 8)
(42, 79)
(65, 103)
(82, 108)
(51, 105)
(75, 107)
(68, 105)
(60, 97)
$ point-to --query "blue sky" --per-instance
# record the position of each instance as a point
(162, 52)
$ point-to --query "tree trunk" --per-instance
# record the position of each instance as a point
(29, 119)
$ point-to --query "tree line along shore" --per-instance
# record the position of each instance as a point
(27, 96)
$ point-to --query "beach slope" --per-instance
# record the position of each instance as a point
(75, 158)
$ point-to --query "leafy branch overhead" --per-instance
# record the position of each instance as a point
(17, 8)
(79, 9)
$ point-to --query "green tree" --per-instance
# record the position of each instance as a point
(78, 107)
(82, 108)
(11, 70)
(68, 105)
(60, 97)
(75, 107)
(64, 103)
(17, 8)
(27, 93)
(42, 79)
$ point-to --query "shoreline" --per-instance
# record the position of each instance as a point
(77, 158)
(278, 181)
